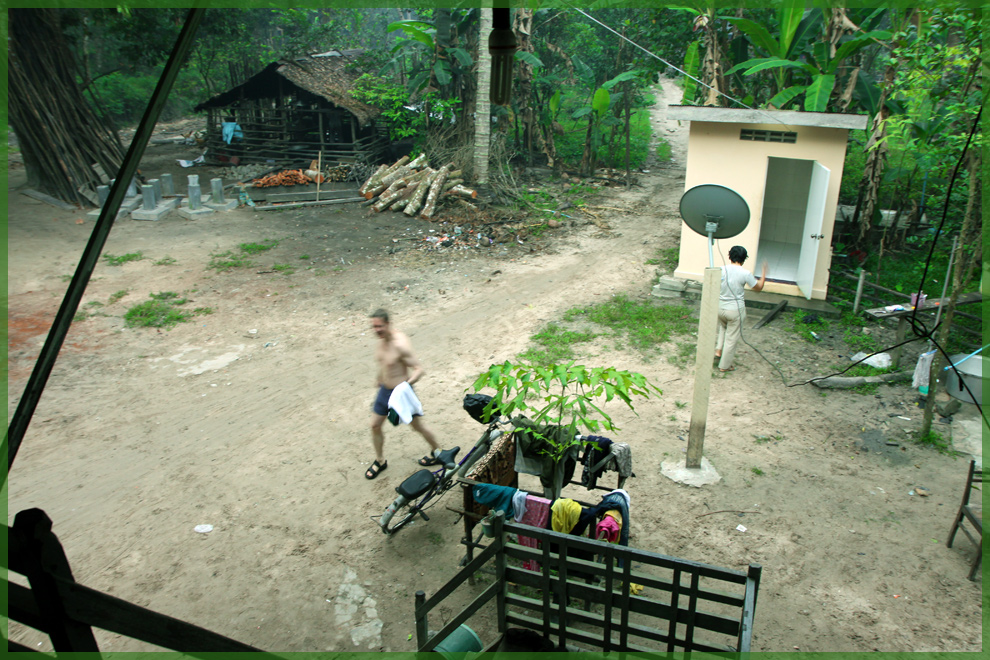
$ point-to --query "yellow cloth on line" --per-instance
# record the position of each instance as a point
(634, 589)
(565, 515)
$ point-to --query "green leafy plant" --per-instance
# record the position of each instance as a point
(122, 259)
(565, 395)
(757, 471)
(304, 257)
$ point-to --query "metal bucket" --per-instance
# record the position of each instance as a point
(972, 374)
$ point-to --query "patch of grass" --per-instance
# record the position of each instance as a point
(554, 345)
(283, 268)
(435, 538)
(227, 260)
(673, 418)
(863, 370)
(684, 354)
(122, 259)
(680, 404)
(304, 257)
(165, 261)
(202, 311)
(646, 324)
(80, 316)
(66, 278)
(757, 471)
(319, 272)
(159, 312)
(664, 151)
(804, 323)
(258, 248)
(665, 258)
(94, 303)
(538, 230)
(114, 297)
(935, 440)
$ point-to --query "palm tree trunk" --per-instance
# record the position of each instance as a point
(483, 121)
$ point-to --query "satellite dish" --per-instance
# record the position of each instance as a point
(714, 211)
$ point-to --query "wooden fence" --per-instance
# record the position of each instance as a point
(684, 605)
(67, 611)
(882, 296)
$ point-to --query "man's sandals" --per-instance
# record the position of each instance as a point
(375, 469)
(428, 460)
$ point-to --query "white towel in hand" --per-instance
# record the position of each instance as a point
(404, 402)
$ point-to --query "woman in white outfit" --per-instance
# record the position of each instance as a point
(732, 305)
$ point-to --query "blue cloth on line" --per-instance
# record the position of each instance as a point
(494, 497)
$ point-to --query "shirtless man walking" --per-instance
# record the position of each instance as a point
(396, 363)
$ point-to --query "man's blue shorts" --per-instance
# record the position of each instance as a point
(380, 406)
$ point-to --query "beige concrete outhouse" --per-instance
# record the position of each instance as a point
(787, 165)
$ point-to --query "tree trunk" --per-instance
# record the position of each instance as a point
(523, 28)
(483, 120)
(59, 133)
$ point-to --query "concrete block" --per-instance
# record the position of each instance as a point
(660, 292)
(154, 214)
(671, 283)
(129, 204)
(228, 205)
(193, 214)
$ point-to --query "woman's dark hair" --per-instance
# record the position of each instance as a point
(737, 254)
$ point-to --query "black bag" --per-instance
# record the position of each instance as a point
(475, 404)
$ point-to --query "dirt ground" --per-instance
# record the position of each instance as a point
(254, 419)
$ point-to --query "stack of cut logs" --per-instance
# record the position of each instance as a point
(413, 187)
(283, 178)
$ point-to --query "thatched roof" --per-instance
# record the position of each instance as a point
(323, 75)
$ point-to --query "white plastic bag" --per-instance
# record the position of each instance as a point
(880, 360)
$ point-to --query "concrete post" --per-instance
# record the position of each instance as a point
(148, 195)
(703, 365)
(156, 184)
(217, 191)
(168, 187)
(193, 179)
(195, 203)
(102, 193)
(132, 190)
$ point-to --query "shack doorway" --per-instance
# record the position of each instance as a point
(792, 218)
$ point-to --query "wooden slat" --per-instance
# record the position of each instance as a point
(101, 610)
(458, 580)
(463, 616)
(22, 607)
(770, 315)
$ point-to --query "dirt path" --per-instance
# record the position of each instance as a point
(253, 419)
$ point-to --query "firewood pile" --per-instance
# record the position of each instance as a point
(413, 187)
(302, 177)
(283, 178)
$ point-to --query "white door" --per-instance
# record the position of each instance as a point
(812, 236)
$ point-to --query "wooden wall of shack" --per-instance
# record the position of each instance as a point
(291, 128)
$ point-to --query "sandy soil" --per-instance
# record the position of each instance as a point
(253, 419)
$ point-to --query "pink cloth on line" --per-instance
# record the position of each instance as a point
(609, 527)
(537, 514)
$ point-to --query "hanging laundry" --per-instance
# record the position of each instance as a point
(596, 453)
(495, 497)
(565, 515)
(537, 514)
(608, 528)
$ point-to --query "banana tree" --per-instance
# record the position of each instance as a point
(597, 112)
(818, 63)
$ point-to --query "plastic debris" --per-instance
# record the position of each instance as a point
(203, 529)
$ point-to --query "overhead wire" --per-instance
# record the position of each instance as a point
(773, 119)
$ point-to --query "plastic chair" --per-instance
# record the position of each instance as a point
(974, 514)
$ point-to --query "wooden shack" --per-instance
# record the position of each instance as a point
(294, 110)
